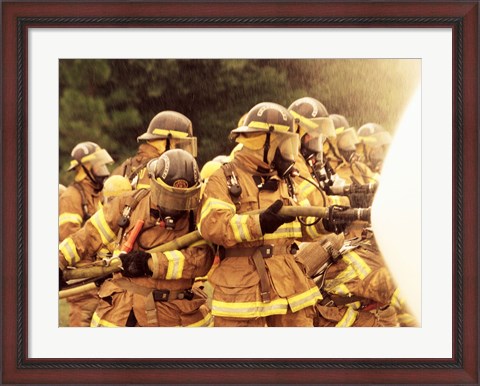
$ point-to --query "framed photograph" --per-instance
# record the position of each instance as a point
(440, 159)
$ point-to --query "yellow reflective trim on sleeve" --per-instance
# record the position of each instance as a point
(240, 229)
(207, 321)
(358, 264)
(340, 289)
(69, 251)
(397, 300)
(335, 200)
(343, 277)
(100, 224)
(407, 320)
(348, 319)
(286, 231)
(214, 204)
(96, 322)
(312, 230)
(173, 133)
(74, 218)
(305, 299)
(249, 309)
(306, 188)
(176, 261)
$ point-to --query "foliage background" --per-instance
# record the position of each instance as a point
(111, 102)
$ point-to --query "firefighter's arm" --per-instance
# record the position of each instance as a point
(312, 227)
(219, 223)
(101, 229)
(70, 217)
(188, 263)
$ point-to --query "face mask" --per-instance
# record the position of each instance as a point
(281, 165)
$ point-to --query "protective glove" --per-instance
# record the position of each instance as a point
(61, 281)
(135, 264)
(270, 220)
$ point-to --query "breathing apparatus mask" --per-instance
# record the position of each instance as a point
(175, 185)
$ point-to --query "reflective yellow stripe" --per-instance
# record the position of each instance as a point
(96, 321)
(69, 251)
(176, 261)
(397, 300)
(305, 299)
(348, 319)
(286, 231)
(340, 289)
(306, 188)
(207, 321)
(240, 229)
(358, 264)
(214, 204)
(312, 230)
(335, 200)
(407, 319)
(143, 186)
(100, 224)
(266, 126)
(173, 133)
(74, 218)
(343, 277)
(249, 309)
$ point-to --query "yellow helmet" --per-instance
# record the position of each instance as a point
(116, 185)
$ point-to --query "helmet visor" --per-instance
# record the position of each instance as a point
(347, 140)
(188, 144)
(325, 126)
(288, 145)
(381, 138)
(313, 142)
(171, 198)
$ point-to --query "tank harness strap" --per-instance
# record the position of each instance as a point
(129, 207)
(259, 254)
(152, 295)
(86, 215)
(234, 188)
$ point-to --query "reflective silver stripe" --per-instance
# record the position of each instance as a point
(100, 224)
(358, 264)
(69, 251)
(348, 319)
(289, 230)
(176, 261)
(240, 229)
(343, 277)
(249, 309)
(207, 321)
(212, 204)
(74, 218)
(308, 298)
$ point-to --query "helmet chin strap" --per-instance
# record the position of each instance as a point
(266, 148)
(91, 177)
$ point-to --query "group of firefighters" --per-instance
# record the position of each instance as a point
(277, 243)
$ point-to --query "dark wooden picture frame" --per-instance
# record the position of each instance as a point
(461, 17)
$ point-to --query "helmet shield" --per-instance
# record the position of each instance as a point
(287, 144)
(174, 198)
(325, 126)
(347, 140)
(381, 138)
(188, 144)
(311, 144)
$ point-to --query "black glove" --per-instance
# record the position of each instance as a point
(331, 224)
(61, 280)
(270, 220)
(135, 264)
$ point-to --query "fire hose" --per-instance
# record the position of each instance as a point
(95, 272)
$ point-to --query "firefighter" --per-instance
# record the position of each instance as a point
(258, 281)
(83, 197)
(167, 130)
(153, 289)
(359, 280)
(374, 143)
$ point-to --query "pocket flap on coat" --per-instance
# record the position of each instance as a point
(235, 272)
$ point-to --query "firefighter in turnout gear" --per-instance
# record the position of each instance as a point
(374, 143)
(259, 282)
(167, 130)
(153, 289)
(83, 197)
(76, 205)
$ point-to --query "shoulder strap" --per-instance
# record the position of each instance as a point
(79, 187)
(234, 188)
